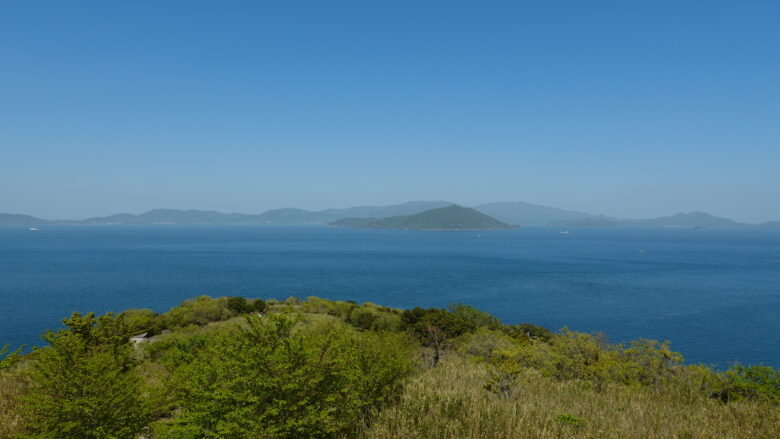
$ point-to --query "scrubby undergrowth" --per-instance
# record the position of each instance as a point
(456, 400)
(233, 368)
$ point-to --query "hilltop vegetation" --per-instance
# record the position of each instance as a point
(314, 368)
(445, 218)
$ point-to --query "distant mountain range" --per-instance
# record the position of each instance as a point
(693, 219)
(513, 213)
(452, 217)
(13, 219)
(300, 216)
(287, 216)
(527, 214)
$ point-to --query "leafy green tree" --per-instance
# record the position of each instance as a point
(435, 328)
(753, 382)
(142, 320)
(363, 318)
(258, 305)
(199, 311)
(654, 361)
(238, 305)
(473, 318)
(83, 385)
(420, 321)
(273, 378)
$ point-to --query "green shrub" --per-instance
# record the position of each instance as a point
(178, 348)
(424, 322)
(143, 320)
(273, 379)
(579, 356)
(753, 383)
(527, 332)
(374, 318)
(472, 318)
(83, 385)
(258, 305)
(363, 318)
(570, 421)
(388, 321)
(342, 309)
(238, 305)
(315, 305)
(174, 429)
(292, 300)
(199, 311)
(485, 343)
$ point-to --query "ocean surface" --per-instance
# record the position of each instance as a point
(714, 293)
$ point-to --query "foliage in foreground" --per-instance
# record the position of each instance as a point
(457, 399)
(84, 385)
(271, 379)
(325, 369)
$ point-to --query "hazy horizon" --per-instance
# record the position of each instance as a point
(623, 109)
(82, 217)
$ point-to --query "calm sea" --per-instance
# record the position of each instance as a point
(714, 293)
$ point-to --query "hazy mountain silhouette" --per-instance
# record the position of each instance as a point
(300, 216)
(515, 213)
(15, 219)
(693, 219)
(521, 213)
(452, 217)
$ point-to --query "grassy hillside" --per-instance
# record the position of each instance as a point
(314, 368)
(445, 218)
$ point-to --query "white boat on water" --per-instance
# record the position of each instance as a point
(33, 229)
(565, 232)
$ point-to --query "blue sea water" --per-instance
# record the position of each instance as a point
(714, 293)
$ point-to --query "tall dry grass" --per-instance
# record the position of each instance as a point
(452, 401)
(12, 387)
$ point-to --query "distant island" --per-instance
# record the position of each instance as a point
(452, 217)
(514, 212)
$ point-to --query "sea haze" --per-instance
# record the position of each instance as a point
(714, 293)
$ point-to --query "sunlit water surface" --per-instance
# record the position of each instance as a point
(714, 293)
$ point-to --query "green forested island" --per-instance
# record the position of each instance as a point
(237, 368)
(452, 217)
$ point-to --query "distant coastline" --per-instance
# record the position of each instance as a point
(510, 213)
(452, 217)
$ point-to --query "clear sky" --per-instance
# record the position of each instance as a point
(626, 108)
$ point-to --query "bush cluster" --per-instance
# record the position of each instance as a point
(332, 369)
(199, 311)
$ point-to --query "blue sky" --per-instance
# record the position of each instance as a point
(631, 109)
